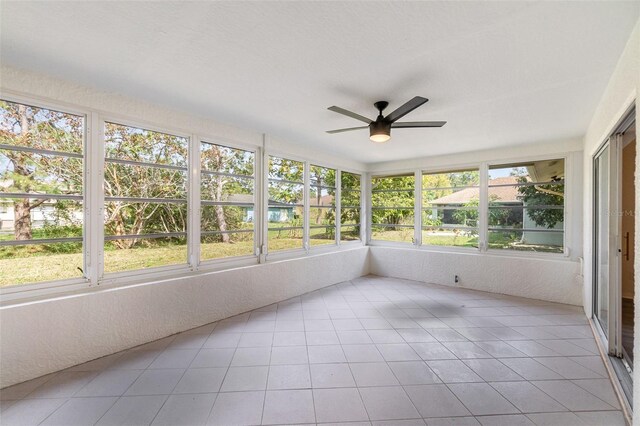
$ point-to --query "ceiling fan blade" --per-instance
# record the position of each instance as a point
(346, 130)
(406, 109)
(409, 124)
(349, 114)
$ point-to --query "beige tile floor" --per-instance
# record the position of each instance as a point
(372, 351)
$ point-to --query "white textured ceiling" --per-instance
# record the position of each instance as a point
(500, 73)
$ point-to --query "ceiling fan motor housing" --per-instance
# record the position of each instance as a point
(379, 129)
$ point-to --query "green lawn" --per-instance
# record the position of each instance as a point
(496, 241)
(38, 263)
(29, 264)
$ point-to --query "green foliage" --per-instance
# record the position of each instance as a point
(286, 183)
(543, 195)
(39, 128)
(350, 202)
(397, 195)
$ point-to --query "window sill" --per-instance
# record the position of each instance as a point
(474, 251)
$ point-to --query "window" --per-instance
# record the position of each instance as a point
(145, 188)
(322, 206)
(286, 204)
(227, 214)
(392, 204)
(350, 196)
(41, 194)
(450, 203)
(526, 206)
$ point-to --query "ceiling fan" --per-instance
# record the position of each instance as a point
(380, 129)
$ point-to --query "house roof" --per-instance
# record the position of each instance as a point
(504, 194)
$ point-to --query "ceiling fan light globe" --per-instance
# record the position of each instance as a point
(380, 138)
(379, 131)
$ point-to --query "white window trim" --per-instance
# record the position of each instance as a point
(127, 276)
(46, 287)
(453, 169)
(336, 207)
(567, 208)
(361, 240)
(416, 219)
(288, 253)
(217, 264)
(483, 168)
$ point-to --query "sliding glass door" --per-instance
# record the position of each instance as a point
(607, 244)
(601, 244)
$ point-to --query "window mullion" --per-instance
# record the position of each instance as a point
(95, 191)
(259, 206)
(338, 206)
(483, 209)
(417, 210)
(264, 200)
(365, 210)
(307, 211)
(193, 203)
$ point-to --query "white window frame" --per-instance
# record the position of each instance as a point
(93, 206)
(453, 169)
(336, 207)
(231, 261)
(483, 168)
(416, 220)
(126, 276)
(304, 249)
(20, 291)
(362, 234)
(567, 208)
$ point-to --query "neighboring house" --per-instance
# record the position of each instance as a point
(505, 197)
(282, 212)
(278, 212)
(40, 216)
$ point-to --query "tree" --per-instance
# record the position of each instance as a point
(136, 217)
(464, 178)
(323, 181)
(397, 193)
(468, 214)
(220, 187)
(543, 195)
(288, 176)
(35, 173)
(350, 199)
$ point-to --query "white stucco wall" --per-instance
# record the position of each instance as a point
(621, 92)
(554, 280)
(45, 336)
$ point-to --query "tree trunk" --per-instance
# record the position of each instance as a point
(22, 219)
(22, 207)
